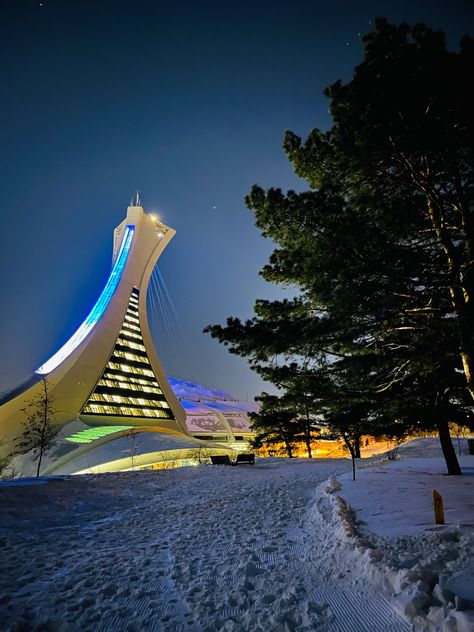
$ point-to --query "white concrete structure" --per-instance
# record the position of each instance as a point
(108, 373)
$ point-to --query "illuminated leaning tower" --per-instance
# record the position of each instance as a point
(108, 372)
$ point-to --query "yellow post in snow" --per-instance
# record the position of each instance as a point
(438, 507)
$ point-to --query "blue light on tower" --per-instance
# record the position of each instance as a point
(98, 309)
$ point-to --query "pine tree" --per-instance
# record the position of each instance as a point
(275, 423)
(403, 135)
(380, 247)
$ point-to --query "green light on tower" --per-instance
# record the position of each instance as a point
(92, 434)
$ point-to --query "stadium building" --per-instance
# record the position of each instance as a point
(107, 395)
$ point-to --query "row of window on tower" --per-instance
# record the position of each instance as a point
(114, 381)
(121, 399)
(128, 386)
(95, 408)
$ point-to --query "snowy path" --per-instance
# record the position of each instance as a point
(203, 550)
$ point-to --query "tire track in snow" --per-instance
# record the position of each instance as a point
(358, 610)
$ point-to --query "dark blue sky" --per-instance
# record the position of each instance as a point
(185, 101)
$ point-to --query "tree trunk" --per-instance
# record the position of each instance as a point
(288, 447)
(45, 425)
(357, 446)
(449, 452)
(308, 440)
(39, 464)
(467, 347)
(461, 291)
(352, 451)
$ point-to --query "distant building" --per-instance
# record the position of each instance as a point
(113, 405)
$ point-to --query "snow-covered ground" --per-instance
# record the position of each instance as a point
(430, 567)
(267, 548)
(395, 498)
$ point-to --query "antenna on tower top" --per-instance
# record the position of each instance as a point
(138, 202)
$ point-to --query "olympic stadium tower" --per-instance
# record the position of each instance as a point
(106, 388)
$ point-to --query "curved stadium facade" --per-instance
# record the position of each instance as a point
(109, 399)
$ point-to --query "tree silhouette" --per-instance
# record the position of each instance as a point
(380, 247)
(40, 432)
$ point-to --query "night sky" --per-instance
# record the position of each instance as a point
(186, 102)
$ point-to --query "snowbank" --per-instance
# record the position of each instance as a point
(388, 511)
